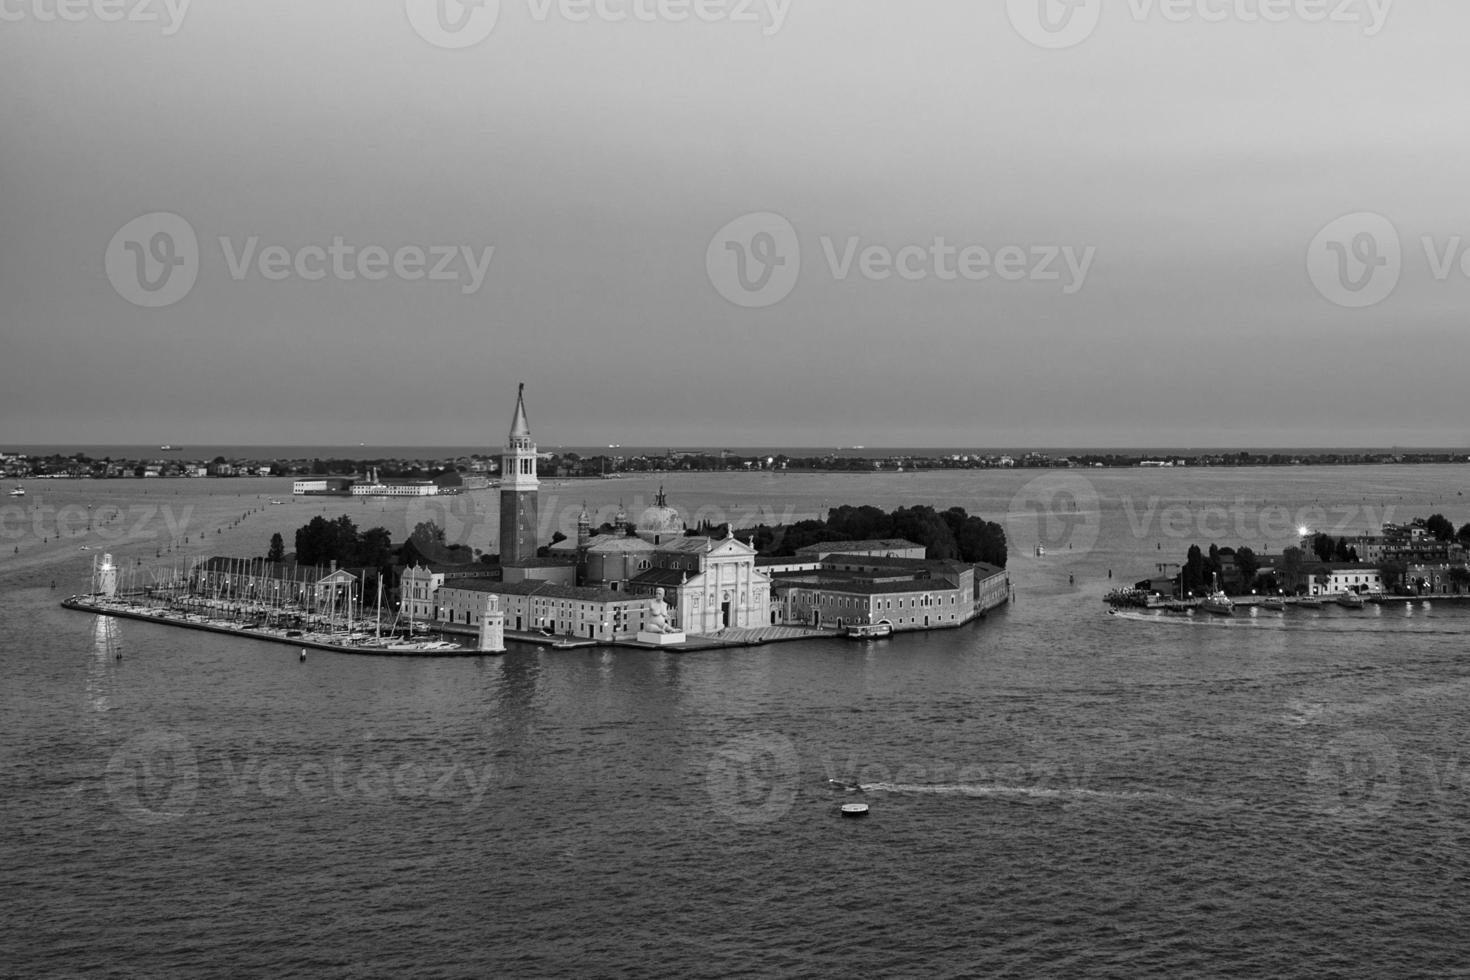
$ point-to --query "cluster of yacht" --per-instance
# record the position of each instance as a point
(213, 617)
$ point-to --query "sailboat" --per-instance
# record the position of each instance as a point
(1217, 602)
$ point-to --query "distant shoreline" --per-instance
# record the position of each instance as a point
(240, 462)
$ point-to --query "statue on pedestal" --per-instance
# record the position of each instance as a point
(658, 615)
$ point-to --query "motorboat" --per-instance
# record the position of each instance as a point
(1276, 603)
(1350, 600)
(872, 631)
(1217, 603)
(19, 491)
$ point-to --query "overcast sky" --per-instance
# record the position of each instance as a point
(1185, 166)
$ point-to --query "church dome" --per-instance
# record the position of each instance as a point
(660, 519)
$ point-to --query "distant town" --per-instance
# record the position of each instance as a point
(1423, 558)
(458, 470)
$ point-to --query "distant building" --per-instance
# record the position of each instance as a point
(889, 548)
(1327, 580)
(905, 593)
(329, 486)
(561, 610)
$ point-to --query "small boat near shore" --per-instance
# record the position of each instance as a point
(874, 631)
(1275, 603)
(1350, 600)
(19, 491)
(1308, 602)
(1217, 603)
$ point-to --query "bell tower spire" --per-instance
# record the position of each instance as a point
(518, 490)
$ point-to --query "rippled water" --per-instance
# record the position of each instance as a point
(1053, 792)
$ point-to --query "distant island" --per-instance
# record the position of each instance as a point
(449, 471)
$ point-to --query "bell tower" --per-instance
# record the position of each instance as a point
(518, 488)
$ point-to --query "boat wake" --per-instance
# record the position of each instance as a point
(1059, 794)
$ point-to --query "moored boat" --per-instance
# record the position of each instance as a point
(1350, 600)
(873, 631)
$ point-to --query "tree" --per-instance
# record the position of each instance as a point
(1464, 535)
(277, 552)
(1192, 576)
(923, 525)
(1248, 565)
(1324, 546)
(1439, 526)
(375, 548)
(428, 531)
(1291, 568)
(322, 541)
(979, 540)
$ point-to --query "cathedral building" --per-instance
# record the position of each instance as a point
(601, 587)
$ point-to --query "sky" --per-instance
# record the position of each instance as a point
(721, 223)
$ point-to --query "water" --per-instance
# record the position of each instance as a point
(1054, 792)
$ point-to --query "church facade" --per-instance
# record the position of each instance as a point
(710, 585)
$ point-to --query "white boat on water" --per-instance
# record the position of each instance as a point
(1217, 602)
(872, 631)
(19, 491)
(1350, 600)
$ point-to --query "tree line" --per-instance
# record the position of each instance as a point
(952, 534)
